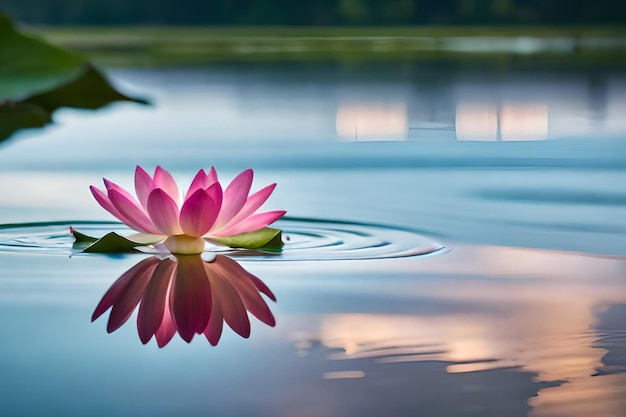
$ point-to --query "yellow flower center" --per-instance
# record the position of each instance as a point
(184, 245)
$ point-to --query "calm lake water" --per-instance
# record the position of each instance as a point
(513, 182)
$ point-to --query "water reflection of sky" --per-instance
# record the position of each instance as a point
(545, 315)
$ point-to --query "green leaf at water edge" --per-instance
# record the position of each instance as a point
(266, 238)
(81, 238)
(37, 78)
(89, 90)
(109, 243)
(16, 116)
(29, 65)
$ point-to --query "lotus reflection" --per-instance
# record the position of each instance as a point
(188, 295)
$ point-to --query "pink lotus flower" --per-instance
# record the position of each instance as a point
(187, 295)
(205, 212)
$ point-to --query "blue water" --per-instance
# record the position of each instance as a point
(519, 174)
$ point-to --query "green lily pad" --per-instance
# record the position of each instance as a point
(109, 243)
(29, 66)
(90, 90)
(37, 78)
(15, 116)
(81, 238)
(266, 238)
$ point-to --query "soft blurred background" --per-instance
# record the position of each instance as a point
(494, 127)
(160, 31)
(321, 13)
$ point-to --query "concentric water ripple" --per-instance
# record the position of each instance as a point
(305, 240)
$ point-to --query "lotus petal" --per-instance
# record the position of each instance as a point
(165, 181)
(252, 223)
(129, 298)
(132, 215)
(154, 300)
(191, 298)
(167, 330)
(217, 195)
(235, 197)
(143, 186)
(213, 331)
(118, 287)
(212, 176)
(198, 214)
(105, 202)
(239, 279)
(202, 180)
(233, 308)
(260, 285)
(199, 182)
(113, 186)
(164, 212)
(252, 204)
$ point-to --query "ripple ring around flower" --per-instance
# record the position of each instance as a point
(305, 240)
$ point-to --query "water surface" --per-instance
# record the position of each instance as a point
(518, 173)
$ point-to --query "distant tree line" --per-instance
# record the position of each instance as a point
(316, 12)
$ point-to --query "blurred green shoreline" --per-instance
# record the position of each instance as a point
(167, 45)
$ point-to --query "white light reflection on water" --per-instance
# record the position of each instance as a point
(376, 121)
(507, 121)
